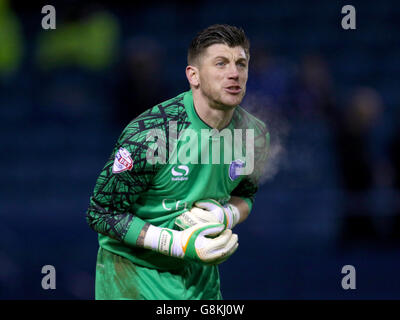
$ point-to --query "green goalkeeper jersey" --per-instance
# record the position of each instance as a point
(162, 163)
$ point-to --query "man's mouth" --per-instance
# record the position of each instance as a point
(233, 89)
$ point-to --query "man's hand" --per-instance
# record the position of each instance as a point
(209, 210)
(205, 242)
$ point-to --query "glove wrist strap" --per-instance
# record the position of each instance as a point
(233, 215)
(163, 240)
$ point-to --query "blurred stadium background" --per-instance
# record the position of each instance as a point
(329, 96)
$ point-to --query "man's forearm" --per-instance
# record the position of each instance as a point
(142, 235)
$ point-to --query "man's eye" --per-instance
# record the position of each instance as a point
(220, 63)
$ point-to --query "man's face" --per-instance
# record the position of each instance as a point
(223, 73)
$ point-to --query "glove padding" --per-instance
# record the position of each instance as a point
(209, 210)
(195, 216)
(208, 243)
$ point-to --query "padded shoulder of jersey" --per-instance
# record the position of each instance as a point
(158, 117)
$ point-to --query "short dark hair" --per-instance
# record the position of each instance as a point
(217, 33)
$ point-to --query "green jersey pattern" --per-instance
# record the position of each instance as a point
(124, 200)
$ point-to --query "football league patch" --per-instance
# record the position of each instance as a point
(122, 161)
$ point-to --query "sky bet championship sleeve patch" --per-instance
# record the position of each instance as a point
(123, 161)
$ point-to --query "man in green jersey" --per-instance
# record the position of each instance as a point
(170, 194)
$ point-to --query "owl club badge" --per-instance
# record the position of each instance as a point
(122, 161)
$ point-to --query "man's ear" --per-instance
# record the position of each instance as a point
(192, 74)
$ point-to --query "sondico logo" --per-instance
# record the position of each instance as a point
(180, 173)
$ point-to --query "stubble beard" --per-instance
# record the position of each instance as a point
(215, 100)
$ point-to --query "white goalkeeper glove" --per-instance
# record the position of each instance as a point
(195, 243)
(209, 210)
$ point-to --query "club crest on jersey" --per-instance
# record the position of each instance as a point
(235, 169)
(122, 161)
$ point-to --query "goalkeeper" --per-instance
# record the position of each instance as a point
(164, 226)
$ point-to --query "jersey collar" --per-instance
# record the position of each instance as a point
(194, 118)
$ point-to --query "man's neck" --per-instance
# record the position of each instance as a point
(214, 117)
